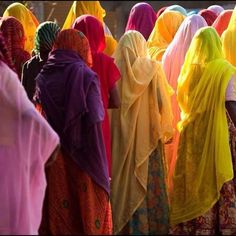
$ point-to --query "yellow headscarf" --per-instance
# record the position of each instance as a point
(163, 33)
(145, 117)
(93, 8)
(204, 160)
(27, 19)
(229, 40)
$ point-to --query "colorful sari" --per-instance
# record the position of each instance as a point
(209, 16)
(204, 162)
(14, 36)
(143, 120)
(104, 66)
(172, 61)
(77, 198)
(163, 33)
(95, 9)
(27, 19)
(177, 8)
(216, 8)
(142, 18)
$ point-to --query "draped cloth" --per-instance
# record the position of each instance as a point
(209, 15)
(222, 21)
(177, 8)
(93, 8)
(26, 143)
(229, 39)
(144, 118)
(14, 36)
(142, 18)
(27, 19)
(103, 65)
(172, 61)
(216, 8)
(163, 33)
(204, 161)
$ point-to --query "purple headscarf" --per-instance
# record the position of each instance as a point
(142, 18)
(69, 93)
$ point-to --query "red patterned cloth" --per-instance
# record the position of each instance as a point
(13, 33)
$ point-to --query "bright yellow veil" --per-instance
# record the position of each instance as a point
(229, 40)
(93, 8)
(163, 33)
(27, 19)
(204, 160)
(144, 118)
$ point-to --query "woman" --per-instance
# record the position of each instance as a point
(14, 36)
(68, 93)
(142, 18)
(204, 193)
(160, 11)
(216, 8)
(177, 8)
(26, 143)
(172, 61)
(208, 15)
(44, 38)
(93, 8)
(106, 69)
(139, 129)
(27, 19)
(222, 21)
(163, 33)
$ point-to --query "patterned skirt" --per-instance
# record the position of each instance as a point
(74, 204)
(152, 217)
(221, 219)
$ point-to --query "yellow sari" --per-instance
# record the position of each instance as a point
(145, 117)
(229, 40)
(27, 19)
(204, 160)
(163, 33)
(93, 8)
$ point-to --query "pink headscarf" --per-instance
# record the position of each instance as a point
(142, 18)
(208, 15)
(173, 60)
(222, 21)
(216, 8)
(26, 142)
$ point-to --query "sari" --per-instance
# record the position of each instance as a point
(172, 61)
(26, 143)
(27, 19)
(160, 11)
(216, 8)
(142, 18)
(204, 162)
(177, 8)
(163, 33)
(209, 16)
(93, 8)
(14, 36)
(222, 21)
(68, 93)
(139, 129)
(104, 66)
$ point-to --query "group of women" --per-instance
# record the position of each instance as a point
(129, 136)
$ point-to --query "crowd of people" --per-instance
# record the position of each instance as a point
(104, 136)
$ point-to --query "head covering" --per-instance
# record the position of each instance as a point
(142, 18)
(93, 30)
(95, 9)
(229, 40)
(205, 164)
(140, 78)
(45, 36)
(178, 9)
(192, 12)
(208, 15)
(70, 96)
(26, 143)
(14, 35)
(222, 21)
(216, 8)
(160, 11)
(163, 33)
(27, 19)
(4, 53)
(172, 61)
(66, 40)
